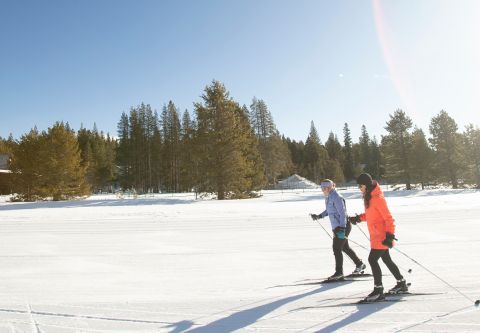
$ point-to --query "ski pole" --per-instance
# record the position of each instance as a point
(408, 270)
(476, 302)
(358, 244)
(323, 228)
(363, 247)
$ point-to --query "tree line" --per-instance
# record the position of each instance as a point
(232, 151)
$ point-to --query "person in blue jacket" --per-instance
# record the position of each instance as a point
(336, 211)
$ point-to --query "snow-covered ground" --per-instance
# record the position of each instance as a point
(168, 263)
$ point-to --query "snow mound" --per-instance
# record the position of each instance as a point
(296, 182)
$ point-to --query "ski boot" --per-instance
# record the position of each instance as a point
(336, 277)
(375, 296)
(359, 269)
(400, 288)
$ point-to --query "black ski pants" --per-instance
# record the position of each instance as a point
(373, 258)
(341, 245)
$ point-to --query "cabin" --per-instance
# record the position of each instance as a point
(5, 174)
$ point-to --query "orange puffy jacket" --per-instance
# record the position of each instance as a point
(379, 219)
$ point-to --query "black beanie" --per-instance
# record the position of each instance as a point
(365, 179)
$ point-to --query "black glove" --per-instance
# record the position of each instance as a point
(388, 241)
(354, 219)
(316, 216)
(339, 232)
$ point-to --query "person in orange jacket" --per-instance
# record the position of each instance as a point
(381, 227)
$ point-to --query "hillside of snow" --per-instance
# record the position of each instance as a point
(169, 263)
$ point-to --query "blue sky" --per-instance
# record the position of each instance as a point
(332, 62)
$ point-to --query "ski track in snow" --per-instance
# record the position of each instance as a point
(168, 263)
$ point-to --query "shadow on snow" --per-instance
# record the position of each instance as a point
(363, 311)
(244, 318)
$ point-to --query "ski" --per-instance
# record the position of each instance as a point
(355, 303)
(362, 301)
(355, 275)
(350, 276)
(387, 299)
(387, 295)
(314, 282)
(391, 296)
(334, 281)
(327, 281)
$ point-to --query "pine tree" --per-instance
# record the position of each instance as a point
(334, 169)
(7, 145)
(254, 179)
(277, 158)
(261, 120)
(396, 148)
(49, 165)
(446, 143)
(472, 156)
(171, 147)
(63, 176)
(25, 162)
(139, 150)
(136, 149)
(349, 163)
(364, 148)
(421, 156)
(85, 141)
(124, 159)
(375, 166)
(334, 148)
(273, 150)
(188, 166)
(98, 156)
(297, 154)
(148, 126)
(108, 170)
(316, 157)
(220, 146)
(156, 144)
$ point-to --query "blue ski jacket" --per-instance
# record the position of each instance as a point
(335, 210)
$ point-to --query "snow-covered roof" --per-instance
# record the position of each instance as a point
(295, 181)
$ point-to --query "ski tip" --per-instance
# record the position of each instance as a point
(477, 302)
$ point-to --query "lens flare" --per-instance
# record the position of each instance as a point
(391, 55)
